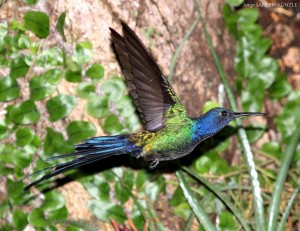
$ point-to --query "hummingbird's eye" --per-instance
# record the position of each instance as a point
(224, 113)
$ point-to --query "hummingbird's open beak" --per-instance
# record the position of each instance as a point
(241, 114)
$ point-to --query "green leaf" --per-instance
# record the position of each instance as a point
(37, 22)
(183, 210)
(53, 201)
(50, 57)
(264, 45)
(9, 89)
(86, 90)
(19, 219)
(128, 179)
(247, 15)
(273, 149)
(4, 131)
(252, 32)
(227, 221)
(289, 120)
(21, 158)
(254, 87)
(37, 218)
(12, 189)
(243, 64)
(80, 226)
(6, 227)
(15, 192)
(3, 30)
(132, 123)
(44, 85)
(83, 52)
(141, 179)
(235, 3)
(5, 207)
(211, 162)
(97, 187)
(109, 175)
(35, 142)
(16, 25)
(115, 88)
(125, 106)
(231, 20)
(106, 211)
(96, 71)
(267, 69)
(60, 106)
(202, 164)
(24, 42)
(55, 144)
(97, 106)
(5, 150)
(80, 130)
(61, 25)
(280, 87)
(137, 218)
(24, 113)
(219, 167)
(177, 197)
(24, 136)
(40, 89)
(121, 193)
(59, 215)
(53, 76)
(112, 125)
(31, 2)
(154, 188)
(18, 68)
(73, 76)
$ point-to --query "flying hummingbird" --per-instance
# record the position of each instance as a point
(169, 132)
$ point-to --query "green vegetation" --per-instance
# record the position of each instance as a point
(210, 186)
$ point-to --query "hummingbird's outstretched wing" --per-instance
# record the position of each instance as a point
(151, 92)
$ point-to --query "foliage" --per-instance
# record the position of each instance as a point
(25, 60)
(257, 74)
(21, 54)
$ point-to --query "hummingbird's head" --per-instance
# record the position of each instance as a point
(222, 116)
(217, 118)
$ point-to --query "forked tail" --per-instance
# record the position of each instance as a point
(92, 150)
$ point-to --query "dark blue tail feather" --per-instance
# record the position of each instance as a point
(92, 150)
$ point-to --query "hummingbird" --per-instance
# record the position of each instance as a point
(169, 132)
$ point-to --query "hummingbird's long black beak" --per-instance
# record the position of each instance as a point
(241, 114)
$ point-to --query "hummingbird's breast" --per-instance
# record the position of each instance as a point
(171, 142)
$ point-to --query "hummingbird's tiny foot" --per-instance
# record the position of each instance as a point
(154, 163)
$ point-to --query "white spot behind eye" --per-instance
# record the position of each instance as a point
(224, 113)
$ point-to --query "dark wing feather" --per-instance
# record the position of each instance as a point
(151, 92)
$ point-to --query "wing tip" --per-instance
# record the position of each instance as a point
(125, 27)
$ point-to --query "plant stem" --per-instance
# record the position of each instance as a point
(288, 209)
(196, 207)
(217, 192)
(286, 162)
(257, 196)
